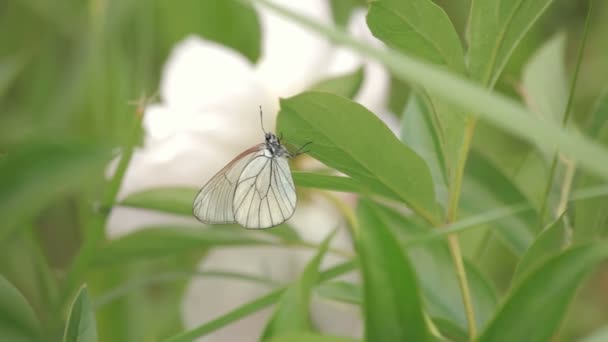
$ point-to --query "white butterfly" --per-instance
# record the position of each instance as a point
(255, 189)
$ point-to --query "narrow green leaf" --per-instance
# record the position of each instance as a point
(310, 337)
(175, 200)
(337, 183)
(543, 294)
(418, 27)
(392, 303)
(347, 137)
(167, 240)
(495, 29)
(81, 326)
(292, 312)
(253, 306)
(601, 335)
(347, 85)
(545, 84)
(17, 319)
(341, 291)
(549, 243)
(33, 176)
(435, 272)
(229, 22)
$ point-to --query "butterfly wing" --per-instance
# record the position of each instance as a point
(213, 203)
(265, 194)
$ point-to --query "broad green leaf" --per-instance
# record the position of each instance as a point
(418, 132)
(495, 29)
(347, 85)
(422, 29)
(390, 287)
(17, 319)
(418, 27)
(81, 325)
(175, 200)
(33, 176)
(341, 291)
(347, 137)
(310, 337)
(337, 183)
(549, 243)
(543, 294)
(167, 240)
(545, 85)
(292, 312)
(228, 22)
(435, 272)
(496, 109)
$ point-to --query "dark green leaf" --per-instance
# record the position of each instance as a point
(543, 294)
(495, 28)
(390, 287)
(549, 243)
(310, 337)
(81, 325)
(349, 138)
(33, 176)
(229, 22)
(167, 240)
(345, 85)
(17, 319)
(292, 312)
(419, 28)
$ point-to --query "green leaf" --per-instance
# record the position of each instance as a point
(418, 27)
(600, 335)
(337, 183)
(435, 271)
(390, 287)
(310, 337)
(175, 200)
(33, 176)
(495, 29)
(81, 326)
(543, 294)
(347, 137)
(17, 319)
(496, 109)
(545, 84)
(549, 243)
(340, 291)
(292, 312)
(347, 85)
(229, 22)
(159, 241)
(417, 131)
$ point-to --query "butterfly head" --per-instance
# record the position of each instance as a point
(273, 144)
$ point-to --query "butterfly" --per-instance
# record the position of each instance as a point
(255, 189)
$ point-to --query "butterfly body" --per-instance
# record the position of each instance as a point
(255, 189)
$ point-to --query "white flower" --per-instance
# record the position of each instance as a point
(210, 97)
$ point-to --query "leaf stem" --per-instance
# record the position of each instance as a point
(453, 243)
(565, 118)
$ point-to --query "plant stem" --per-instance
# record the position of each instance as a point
(566, 116)
(453, 244)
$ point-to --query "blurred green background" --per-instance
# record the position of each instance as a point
(68, 72)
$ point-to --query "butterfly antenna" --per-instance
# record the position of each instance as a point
(301, 149)
(262, 120)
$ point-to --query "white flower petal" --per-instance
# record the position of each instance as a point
(293, 58)
(204, 75)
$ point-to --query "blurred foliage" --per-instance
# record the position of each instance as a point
(69, 71)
